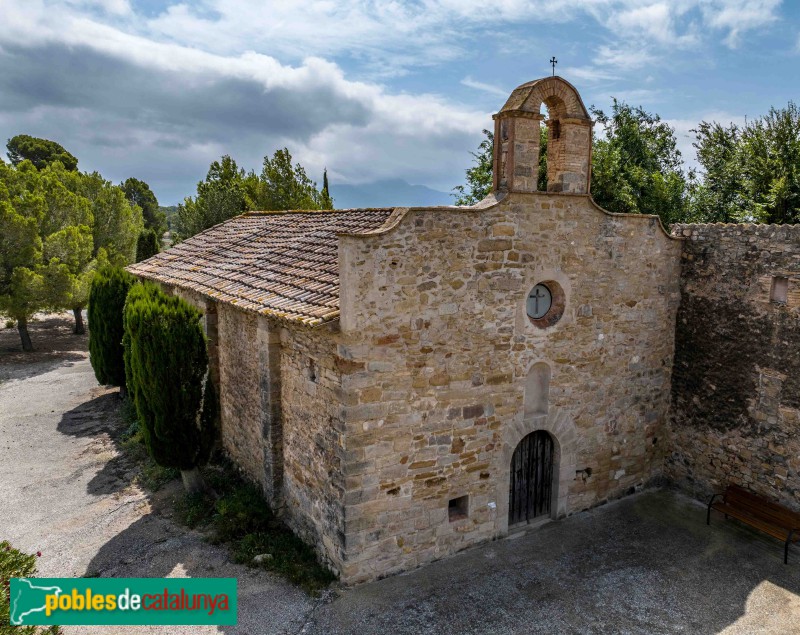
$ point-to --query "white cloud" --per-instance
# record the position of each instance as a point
(588, 73)
(96, 88)
(203, 78)
(423, 32)
(739, 16)
(113, 7)
(623, 58)
(487, 88)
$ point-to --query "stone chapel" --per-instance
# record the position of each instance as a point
(405, 383)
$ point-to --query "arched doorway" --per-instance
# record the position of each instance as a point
(531, 484)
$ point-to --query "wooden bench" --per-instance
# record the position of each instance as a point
(764, 515)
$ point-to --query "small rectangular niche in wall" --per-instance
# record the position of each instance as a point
(458, 508)
(780, 290)
(313, 371)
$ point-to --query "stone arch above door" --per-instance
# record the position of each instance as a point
(565, 437)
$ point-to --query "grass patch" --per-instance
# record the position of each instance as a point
(240, 518)
(16, 564)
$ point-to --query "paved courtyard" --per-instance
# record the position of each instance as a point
(646, 564)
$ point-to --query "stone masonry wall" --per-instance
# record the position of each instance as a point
(440, 348)
(736, 381)
(280, 394)
(241, 427)
(313, 438)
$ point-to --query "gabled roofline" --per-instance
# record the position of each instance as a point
(493, 200)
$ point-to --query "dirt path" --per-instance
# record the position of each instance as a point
(66, 491)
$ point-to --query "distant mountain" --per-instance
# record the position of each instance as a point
(387, 193)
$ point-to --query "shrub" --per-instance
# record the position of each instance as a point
(16, 564)
(106, 303)
(166, 364)
(240, 518)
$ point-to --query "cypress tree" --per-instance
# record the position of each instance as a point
(326, 202)
(166, 362)
(109, 288)
(146, 245)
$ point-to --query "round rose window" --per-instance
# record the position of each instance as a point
(539, 302)
(545, 304)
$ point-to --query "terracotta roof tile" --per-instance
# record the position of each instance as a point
(284, 264)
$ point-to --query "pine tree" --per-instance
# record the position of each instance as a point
(106, 304)
(166, 367)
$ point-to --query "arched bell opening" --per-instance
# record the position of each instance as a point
(524, 135)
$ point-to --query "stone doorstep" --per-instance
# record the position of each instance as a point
(520, 529)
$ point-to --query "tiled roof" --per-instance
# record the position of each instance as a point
(284, 264)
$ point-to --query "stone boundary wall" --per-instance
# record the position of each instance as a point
(736, 379)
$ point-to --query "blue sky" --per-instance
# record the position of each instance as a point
(372, 90)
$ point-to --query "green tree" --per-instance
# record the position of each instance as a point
(166, 369)
(116, 222)
(636, 165)
(283, 186)
(22, 209)
(228, 191)
(147, 245)
(749, 173)
(139, 193)
(326, 202)
(542, 180)
(68, 235)
(69, 270)
(770, 159)
(80, 222)
(66, 204)
(109, 289)
(169, 212)
(479, 176)
(720, 197)
(40, 152)
(221, 196)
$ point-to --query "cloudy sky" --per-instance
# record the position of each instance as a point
(371, 89)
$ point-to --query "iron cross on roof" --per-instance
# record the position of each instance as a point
(553, 62)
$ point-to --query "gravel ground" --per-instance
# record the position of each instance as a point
(66, 491)
(646, 564)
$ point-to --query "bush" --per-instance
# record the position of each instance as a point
(146, 245)
(240, 518)
(16, 564)
(166, 365)
(106, 302)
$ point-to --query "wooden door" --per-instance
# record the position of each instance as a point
(531, 486)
